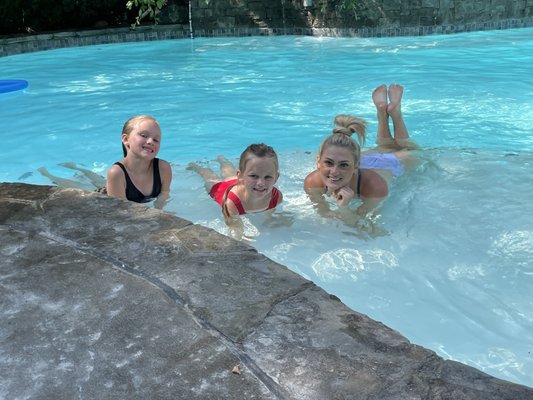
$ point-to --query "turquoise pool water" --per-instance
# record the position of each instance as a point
(454, 271)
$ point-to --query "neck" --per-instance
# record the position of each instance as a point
(137, 164)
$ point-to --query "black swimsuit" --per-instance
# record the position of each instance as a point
(358, 182)
(134, 194)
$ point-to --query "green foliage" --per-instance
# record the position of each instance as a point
(11, 16)
(150, 8)
(348, 5)
(146, 8)
(338, 6)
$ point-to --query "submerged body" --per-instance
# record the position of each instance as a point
(345, 174)
(140, 176)
(218, 191)
(250, 189)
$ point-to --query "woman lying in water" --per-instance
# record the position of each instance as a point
(344, 173)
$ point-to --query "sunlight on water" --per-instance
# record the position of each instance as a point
(450, 266)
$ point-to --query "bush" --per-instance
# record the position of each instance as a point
(18, 16)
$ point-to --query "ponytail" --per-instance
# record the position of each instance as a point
(345, 127)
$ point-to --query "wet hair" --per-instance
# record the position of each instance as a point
(345, 127)
(260, 150)
(131, 123)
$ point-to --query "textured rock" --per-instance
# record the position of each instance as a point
(106, 299)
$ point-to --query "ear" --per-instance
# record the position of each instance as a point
(239, 175)
(317, 162)
(124, 138)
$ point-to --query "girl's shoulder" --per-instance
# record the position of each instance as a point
(165, 172)
(164, 166)
(163, 163)
(277, 196)
(114, 171)
(233, 201)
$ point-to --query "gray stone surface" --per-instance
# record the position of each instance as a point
(107, 299)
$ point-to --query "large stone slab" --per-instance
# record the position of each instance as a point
(102, 298)
(74, 326)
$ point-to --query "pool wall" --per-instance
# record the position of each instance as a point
(350, 13)
(48, 41)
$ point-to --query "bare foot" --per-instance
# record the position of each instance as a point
(192, 166)
(379, 95)
(395, 97)
(207, 174)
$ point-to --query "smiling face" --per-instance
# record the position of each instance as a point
(144, 139)
(336, 166)
(259, 176)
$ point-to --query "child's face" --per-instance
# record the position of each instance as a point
(259, 176)
(336, 167)
(144, 140)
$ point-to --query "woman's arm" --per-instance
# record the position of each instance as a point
(364, 216)
(315, 189)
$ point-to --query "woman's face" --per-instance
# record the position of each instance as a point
(336, 167)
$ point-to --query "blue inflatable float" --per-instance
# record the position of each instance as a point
(10, 85)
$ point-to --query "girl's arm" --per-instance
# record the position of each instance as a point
(233, 220)
(116, 182)
(278, 219)
(235, 227)
(165, 172)
(316, 195)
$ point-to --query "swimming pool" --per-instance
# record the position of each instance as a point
(454, 271)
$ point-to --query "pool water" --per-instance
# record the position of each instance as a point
(452, 268)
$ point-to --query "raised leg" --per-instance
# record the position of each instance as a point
(227, 170)
(62, 182)
(97, 180)
(394, 109)
(209, 177)
(384, 137)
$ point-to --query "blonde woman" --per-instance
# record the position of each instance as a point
(344, 173)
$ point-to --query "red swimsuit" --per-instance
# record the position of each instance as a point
(219, 189)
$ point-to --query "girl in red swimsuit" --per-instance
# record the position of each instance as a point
(250, 189)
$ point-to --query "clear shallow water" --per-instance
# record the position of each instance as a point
(454, 271)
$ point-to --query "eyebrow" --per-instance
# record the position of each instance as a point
(341, 161)
(148, 132)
